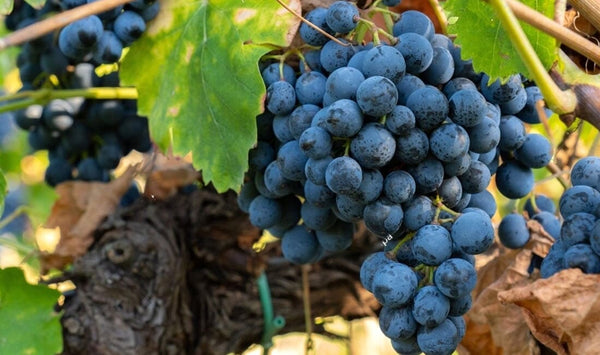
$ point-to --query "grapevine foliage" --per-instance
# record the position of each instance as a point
(6, 6)
(26, 310)
(482, 38)
(198, 80)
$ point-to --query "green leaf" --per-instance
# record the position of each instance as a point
(28, 325)
(199, 81)
(3, 191)
(481, 36)
(8, 57)
(37, 4)
(6, 6)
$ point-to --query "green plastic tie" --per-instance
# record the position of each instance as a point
(272, 324)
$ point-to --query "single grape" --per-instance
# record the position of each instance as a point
(513, 231)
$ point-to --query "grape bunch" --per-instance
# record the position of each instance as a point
(404, 136)
(85, 138)
(577, 235)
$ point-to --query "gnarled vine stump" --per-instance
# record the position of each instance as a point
(179, 277)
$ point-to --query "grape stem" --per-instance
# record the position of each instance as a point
(564, 35)
(401, 243)
(43, 96)
(554, 169)
(439, 14)
(561, 102)
(307, 310)
(55, 22)
(317, 28)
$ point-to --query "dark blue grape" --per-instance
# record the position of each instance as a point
(513, 106)
(536, 151)
(428, 175)
(59, 170)
(315, 169)
(317, 218)
(448, 142)
(416, 50)
(385, 61)
(377, 96)
(586, 172)
(455, 278)
(497, 92)
(529, 113)
(281, 128)
(383, 218)
(554, 261)
(550, 223)
(418, 212)
(458, 84)
(400, 121)
(450, 191)
(272, 73)
(370, 267)
(335, 55)
(484, 137)
(264, 212)
(514, 180)
(336, 238)
(485, 201)
(512, 133)
(343, 83)
(342, 16)
(432, 245)
(309, 35)
(343, 118)
(429, 106)
(78, 38)
(343, 175)
(406, 86)
(397, 322)
(109, 48)
(394, 285)
(261, 155)
(579, 198)
(399, 186)
(292, 160)
(415, 22)
(577, 228)
(413, 147)
(300, 245)
(275, 181)
(442, 339)
(315, 142)
(310, 88)
(543, 203)
(281, 98)
(473, 232)
(247, 193)
(430, 307)
(460, 306)
(128, 27)
(513, 231)
(583, 257)
(370, 188)
(441, 69)
(374, 146)
(476, 178)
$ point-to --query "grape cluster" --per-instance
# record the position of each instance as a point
(402, 136)
(577, 237)
(85, 139)
(520, 151)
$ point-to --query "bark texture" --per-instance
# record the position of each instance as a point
(178, 277)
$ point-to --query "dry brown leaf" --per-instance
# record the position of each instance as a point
(78, 211)
(167, 174)
(562, 311)
(493, 327)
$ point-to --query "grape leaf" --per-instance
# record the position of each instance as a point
(3, 188)
(36, 4)
(482, 38)
(199, 83)
(6, 6)
(29, 325)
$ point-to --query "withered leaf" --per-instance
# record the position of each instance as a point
(78, 211)
(562, 311)
(167, 174)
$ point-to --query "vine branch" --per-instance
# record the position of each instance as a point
(566, 36)
(559, 101)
